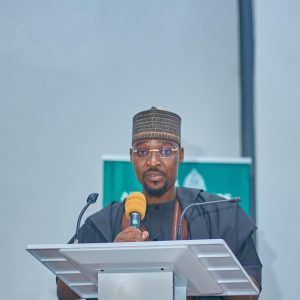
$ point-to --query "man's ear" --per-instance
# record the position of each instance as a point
(130, 153)
(181, 154)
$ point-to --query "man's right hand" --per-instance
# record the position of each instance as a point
(131, 234)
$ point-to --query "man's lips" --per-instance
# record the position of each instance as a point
(154, 175)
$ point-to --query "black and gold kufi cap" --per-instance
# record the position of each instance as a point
(156, 124)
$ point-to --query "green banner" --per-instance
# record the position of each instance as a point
(226, 177)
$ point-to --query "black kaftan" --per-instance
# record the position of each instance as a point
(225, 221)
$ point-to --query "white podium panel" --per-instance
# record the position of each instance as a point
(202, 267)
(136, 286)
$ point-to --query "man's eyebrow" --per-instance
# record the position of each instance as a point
(138, 144)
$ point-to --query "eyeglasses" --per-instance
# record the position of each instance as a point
(164, 152)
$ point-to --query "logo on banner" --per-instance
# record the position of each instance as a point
(123, 196)
(194, 180)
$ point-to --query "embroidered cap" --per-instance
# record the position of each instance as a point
(156, 124)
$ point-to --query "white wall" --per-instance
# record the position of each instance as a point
(278, 145)
(72, 75)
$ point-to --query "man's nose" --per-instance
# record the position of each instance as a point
(154, 158)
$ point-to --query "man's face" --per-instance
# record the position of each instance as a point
(157, 172)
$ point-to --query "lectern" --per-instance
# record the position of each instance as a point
(147, 270)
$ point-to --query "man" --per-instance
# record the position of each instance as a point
(156, 153)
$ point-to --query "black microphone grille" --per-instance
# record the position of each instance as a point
(92, 198)
(235, 200)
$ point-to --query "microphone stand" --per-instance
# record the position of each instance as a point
(179, 229)
(92, 198)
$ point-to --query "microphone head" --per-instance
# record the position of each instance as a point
(135, 202)
(235, 200)
(92, 198)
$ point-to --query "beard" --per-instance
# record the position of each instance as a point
(156, 192)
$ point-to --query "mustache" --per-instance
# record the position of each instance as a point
(154, 170)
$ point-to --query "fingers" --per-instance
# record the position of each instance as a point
(131, 234)
(145, 235)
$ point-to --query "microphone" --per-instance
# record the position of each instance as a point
(179, 229)
(92, 198)
(135, 208)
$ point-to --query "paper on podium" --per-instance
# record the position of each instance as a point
(204, 267)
